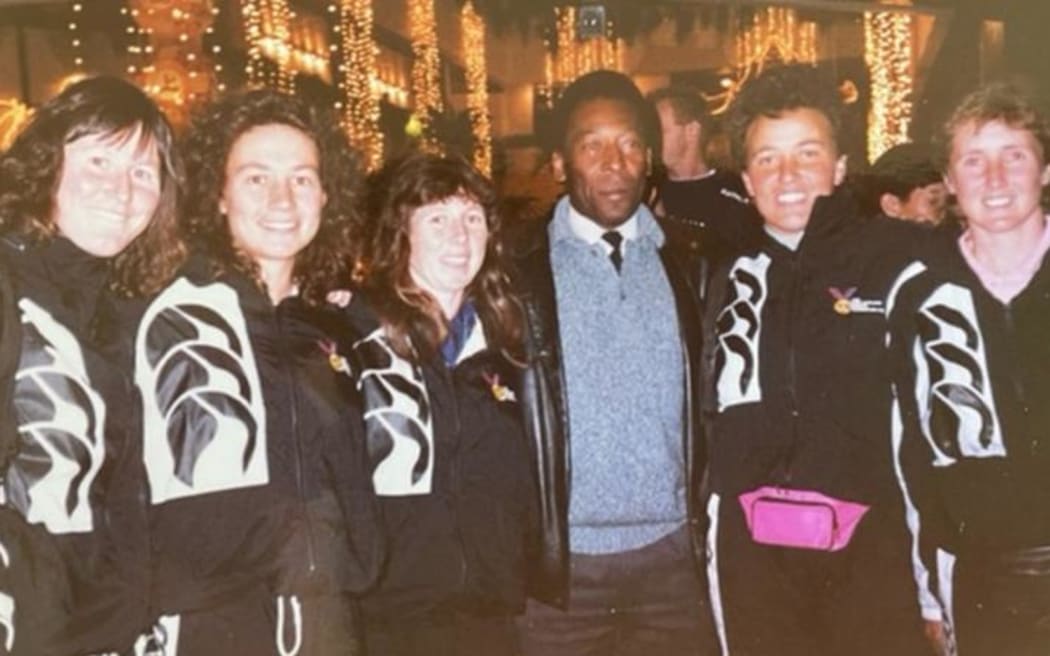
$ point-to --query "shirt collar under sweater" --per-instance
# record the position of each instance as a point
(568, 223)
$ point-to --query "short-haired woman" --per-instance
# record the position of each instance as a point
(968, 326)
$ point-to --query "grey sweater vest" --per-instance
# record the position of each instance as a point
(622, 356)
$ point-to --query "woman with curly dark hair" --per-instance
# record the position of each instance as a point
(435, 362)
(261, 504)
(87, 230)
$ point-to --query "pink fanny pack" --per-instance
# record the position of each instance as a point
(800, 518)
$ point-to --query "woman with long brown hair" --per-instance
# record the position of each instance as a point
(87, 217)
(435, 361)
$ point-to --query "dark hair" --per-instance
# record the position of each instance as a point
(1000, 101)
(687, 105)
(31, 168)
(902, 169)
(608, 85)
(324, 264)
(776, 91)
(413, 321)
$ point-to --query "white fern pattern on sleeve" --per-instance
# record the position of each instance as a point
(398, 422)
(204, 418)
(953, 387)
(61, 426)
(739, 327)
(7, 606)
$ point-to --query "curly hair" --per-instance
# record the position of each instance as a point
(999, 101)
(324, 264)
(413, 321)
(776, 91)
(30, 171)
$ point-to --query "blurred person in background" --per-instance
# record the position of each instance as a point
(904, 183)
(701, 206)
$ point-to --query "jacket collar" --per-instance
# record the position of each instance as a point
(251, 294)
(72, 268)
(830, 216)
(74, 282)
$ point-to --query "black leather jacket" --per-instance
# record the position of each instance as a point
(544, 406)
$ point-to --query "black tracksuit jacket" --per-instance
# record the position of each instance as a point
(456, 543)
(258, 477)
(73, 527)
(801, 392)
(972, 378)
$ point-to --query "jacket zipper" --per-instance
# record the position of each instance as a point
(1015, 380)
(796, 273)
(446, 374)
(311, 558)
(1008, 316)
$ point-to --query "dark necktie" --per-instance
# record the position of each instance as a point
(614, 239)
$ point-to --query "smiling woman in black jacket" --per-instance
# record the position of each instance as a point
(87, 216)
(261, 506)
(438, 336)
(971, 371)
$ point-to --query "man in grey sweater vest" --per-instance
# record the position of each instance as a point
(613, 352)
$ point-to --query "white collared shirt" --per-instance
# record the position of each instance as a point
(591, 233)
(789, 240)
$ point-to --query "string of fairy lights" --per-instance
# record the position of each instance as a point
(254, 66)
(216, 52)
(267, 35)
(137, 46)
(774, 33)
(425, 79)
(360, 103)
(567, 57)
(74, 35)
(888, 55)
(477, 85)
(278, 42)
(173, 54)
